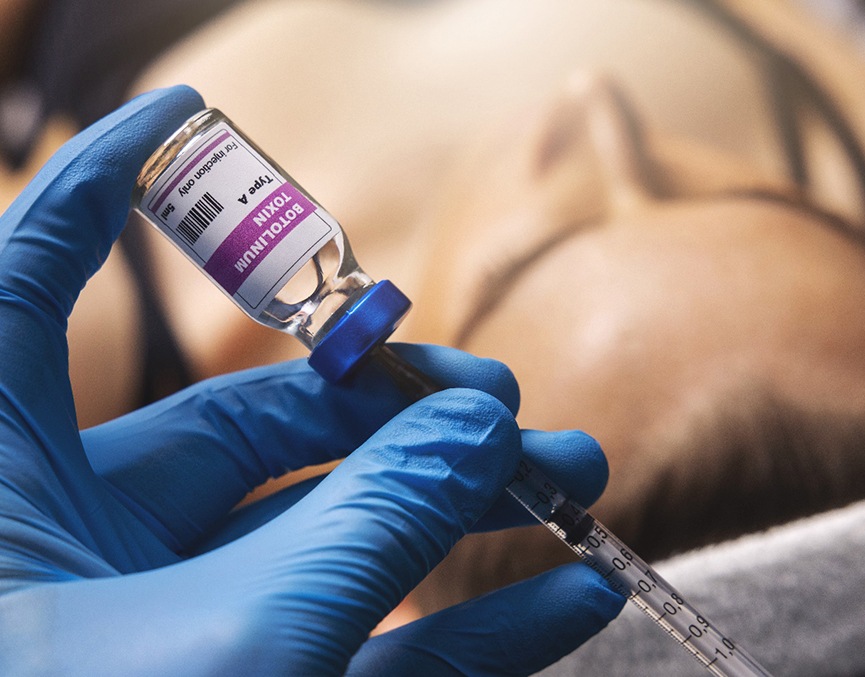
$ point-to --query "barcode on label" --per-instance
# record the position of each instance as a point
(198, 218)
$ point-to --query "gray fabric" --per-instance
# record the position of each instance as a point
(792, 597)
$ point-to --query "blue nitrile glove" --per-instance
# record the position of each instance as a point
(118, 552)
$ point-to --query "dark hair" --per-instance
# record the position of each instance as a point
(747, 461)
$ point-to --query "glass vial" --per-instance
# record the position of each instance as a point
(262, 239)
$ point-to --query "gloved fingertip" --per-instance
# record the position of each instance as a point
(180, 92)
(520, 629)
(573, 458)
(578, 604)
(170, 106)
(588, 589)
(572, 603)
(177, 94)
(147, 120)
(454, 368)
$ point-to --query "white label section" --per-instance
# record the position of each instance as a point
(237, 218)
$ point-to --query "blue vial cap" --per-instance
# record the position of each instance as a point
(367, 323)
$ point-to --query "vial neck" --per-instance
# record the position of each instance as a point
(319, 294)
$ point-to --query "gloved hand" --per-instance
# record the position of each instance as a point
(118, 551)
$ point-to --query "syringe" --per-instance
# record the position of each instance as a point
(285, 262)
(596, 545)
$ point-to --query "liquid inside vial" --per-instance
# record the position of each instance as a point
(316, 296)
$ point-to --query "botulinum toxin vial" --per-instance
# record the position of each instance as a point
(262, 239)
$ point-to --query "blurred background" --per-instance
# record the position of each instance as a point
(465, 145)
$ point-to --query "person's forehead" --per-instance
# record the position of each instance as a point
(620, 325)
(713, 258)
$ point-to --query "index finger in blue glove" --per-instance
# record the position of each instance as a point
(582, 474)
(456, 369)
(181, 464)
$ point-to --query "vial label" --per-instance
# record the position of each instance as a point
(238, 218)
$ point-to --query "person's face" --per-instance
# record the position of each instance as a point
(624, 313)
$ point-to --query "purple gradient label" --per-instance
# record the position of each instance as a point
(257, 235)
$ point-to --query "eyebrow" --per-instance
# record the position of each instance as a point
(852, 230)
(496, 284)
